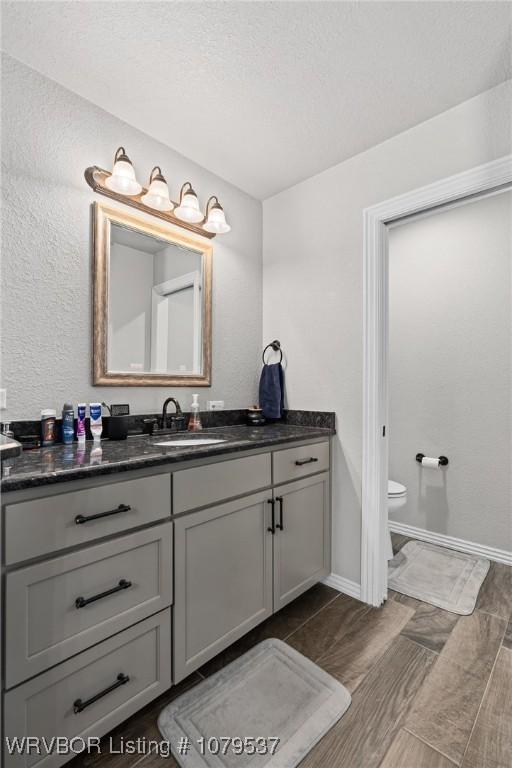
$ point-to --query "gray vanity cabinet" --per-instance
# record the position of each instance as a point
(125, 586)
(238, 562)
(223, 578)
(302, 537)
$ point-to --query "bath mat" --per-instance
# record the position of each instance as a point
(272, 692)
(442, 577)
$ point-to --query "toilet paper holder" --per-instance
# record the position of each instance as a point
(443, 460)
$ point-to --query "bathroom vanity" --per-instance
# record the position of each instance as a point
(121, 578)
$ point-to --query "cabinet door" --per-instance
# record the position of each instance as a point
(302, 545)
(223, 578)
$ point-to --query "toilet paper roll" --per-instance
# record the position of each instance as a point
(428, 461)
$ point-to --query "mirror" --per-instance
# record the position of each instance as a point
(152, 303)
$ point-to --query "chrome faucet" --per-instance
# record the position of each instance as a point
(177, 421)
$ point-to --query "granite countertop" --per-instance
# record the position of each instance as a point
(62, 463)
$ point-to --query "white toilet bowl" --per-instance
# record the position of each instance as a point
(397, 498)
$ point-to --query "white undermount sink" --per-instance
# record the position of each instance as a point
(190, 441)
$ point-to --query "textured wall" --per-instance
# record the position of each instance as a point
(313, 271)
(50, 136)
(450, 334)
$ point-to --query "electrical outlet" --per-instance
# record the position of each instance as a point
(3, 399)
(215, 405)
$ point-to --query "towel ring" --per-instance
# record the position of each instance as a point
(276, 346)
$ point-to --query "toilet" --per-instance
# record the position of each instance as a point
(397, 498)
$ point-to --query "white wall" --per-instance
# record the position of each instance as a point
(173, 262)
(313, 259)
(50, 136)
(450, 369)
(131, 284)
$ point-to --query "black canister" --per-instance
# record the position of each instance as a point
(118, 427)
(255, 417)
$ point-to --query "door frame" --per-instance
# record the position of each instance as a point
(488, 178)
(160, 292)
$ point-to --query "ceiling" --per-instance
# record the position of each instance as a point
(266, 94)
(140, 241)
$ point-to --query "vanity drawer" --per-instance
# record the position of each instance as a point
(101, 511)
(62, 606)
(294, 463)
(46, 705)
(206, 485)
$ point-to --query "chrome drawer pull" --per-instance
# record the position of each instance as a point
(81, 602)
(80, 519)
(309, 460)
(79, 705)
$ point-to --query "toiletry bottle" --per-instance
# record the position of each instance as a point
(68, 423)
(48, 422)
(194, 422)
(96, 424)
(80, 427)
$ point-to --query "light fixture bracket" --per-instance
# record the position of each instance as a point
(210, 204)
(95, 178)
(121, 156)
(156, 176)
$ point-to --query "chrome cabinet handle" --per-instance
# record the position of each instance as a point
(79, 705)
(81, 519)
(272, 528)
(309, 460)
(280, 524)
(81, 602)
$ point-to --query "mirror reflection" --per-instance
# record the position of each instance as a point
(155, 305)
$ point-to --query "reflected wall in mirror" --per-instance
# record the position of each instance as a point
(152, 303)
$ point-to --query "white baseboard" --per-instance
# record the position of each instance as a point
(350, 588)
(471, 547)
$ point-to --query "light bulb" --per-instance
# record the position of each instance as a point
(157, 196)
(122, 178)
(216, 218)
(188, 209)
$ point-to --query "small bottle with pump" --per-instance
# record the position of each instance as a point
(80, 427)
(96, 423)
(194, 422)
(48, 424)
(68, 423)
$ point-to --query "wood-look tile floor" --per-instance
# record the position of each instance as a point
(429, 689)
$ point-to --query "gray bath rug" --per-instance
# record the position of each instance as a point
(442, 577)
(272, 692)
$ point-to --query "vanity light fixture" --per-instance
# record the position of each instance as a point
(121, 184)
(157, 196)
(215, 220)
(122, 179)
(188, 209)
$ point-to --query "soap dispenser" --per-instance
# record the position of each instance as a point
(194, 422)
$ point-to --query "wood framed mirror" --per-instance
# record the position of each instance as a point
(152, 303)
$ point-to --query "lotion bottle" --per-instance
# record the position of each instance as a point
(194, 422)
(96, 421)
(80, 428)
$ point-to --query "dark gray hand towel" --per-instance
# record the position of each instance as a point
(272, 391)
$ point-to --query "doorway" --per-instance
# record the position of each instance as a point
(483, 180)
